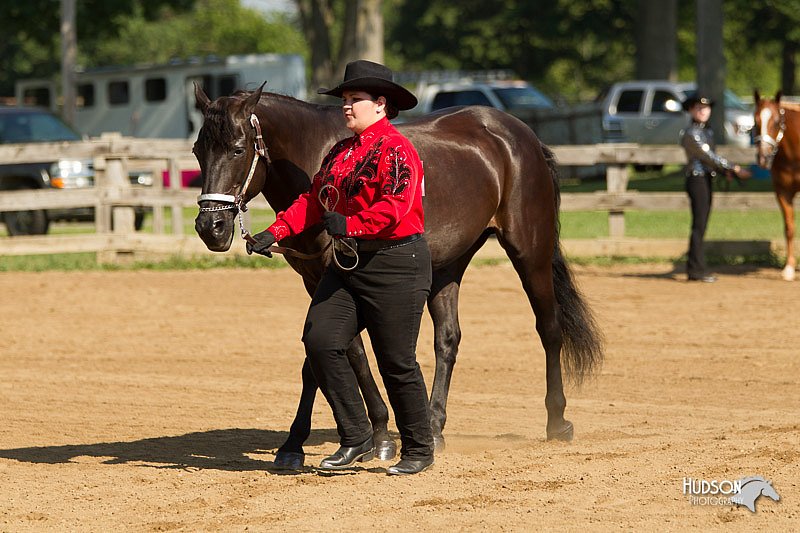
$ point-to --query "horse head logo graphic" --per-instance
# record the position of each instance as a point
(752, 488)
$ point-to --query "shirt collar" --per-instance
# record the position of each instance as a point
(372, 132)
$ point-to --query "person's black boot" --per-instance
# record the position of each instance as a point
(347, 456)
(409, 466)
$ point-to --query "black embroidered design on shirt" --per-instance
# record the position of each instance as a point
(399, 171)
(365, 170)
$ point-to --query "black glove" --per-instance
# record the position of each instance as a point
(263, 241)
(335, 223)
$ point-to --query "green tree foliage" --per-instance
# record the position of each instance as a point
(30, 47)
(565, 46)
(134, 31)
(575, 48)
(212, 27)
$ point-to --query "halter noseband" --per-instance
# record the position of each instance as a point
(773, 143)
(238, 202)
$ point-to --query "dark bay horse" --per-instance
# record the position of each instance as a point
(485, 172)
(777, 127)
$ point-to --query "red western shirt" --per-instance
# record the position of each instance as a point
(373, 178)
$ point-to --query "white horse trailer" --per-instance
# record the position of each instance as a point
(157, 101)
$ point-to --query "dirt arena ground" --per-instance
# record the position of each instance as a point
(153, 401)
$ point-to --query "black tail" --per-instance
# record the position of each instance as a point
(583, 351)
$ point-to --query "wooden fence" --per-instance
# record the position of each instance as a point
(113, 197)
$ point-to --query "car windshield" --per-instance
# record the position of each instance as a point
(522, 98)
(34, 126)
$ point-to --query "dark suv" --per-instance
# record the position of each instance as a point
(32, 125)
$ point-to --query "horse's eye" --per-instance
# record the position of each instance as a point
(238, 151)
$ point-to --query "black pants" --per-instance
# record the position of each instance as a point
(385, 294)
(699, 190)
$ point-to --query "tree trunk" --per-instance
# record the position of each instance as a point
(711, 61)
(362, 37)
(788, 66)
(69, 55)
(316, 17)
(656, 40)
(369, 30)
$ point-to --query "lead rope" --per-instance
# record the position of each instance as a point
(325, 200)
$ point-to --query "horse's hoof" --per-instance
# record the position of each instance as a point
(289, 460)
(564, 433)
(438, 443)
(385, 450)
(788, 273)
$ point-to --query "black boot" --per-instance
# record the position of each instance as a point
(410, 466)
(347, 456)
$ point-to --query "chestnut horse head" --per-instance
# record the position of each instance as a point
(770, 128)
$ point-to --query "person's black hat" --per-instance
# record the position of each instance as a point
(373, 78)
(697, 99)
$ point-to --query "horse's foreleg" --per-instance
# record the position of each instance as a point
(785, 202)
(290, 455)
(443, 307)
(385, 446)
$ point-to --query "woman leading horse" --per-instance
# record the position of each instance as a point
(368, 196)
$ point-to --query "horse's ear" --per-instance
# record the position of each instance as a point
(252, 101)
(778, 97)
(756, 97)
(201, 99)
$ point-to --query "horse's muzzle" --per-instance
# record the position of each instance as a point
(215, 229)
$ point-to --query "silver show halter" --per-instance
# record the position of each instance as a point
(239, 201)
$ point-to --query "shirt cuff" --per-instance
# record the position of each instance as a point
(280, 230)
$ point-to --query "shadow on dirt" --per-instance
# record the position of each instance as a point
(221, 449)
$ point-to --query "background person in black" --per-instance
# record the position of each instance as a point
(702, 165)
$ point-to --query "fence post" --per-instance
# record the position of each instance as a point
(158, 210)
(122, 218)
(102, 208)
(115, 183)
(175, 183)
(616, 183)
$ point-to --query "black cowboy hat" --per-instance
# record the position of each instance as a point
(697, 99)
(375, 79)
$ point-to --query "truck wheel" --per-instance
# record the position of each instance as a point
(26, 222)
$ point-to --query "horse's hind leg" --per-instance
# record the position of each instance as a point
(785, 201)
(533, 264)
(385, 446)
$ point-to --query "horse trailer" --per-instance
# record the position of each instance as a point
(157, 101)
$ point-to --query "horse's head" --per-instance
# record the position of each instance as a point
(769, 491)
(226, 150)
(770, 125)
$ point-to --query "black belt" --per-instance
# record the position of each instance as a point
(375, 245)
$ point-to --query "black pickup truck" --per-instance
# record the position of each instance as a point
(32, 125)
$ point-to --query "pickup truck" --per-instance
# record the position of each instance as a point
(650, 112)
(31, 125)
